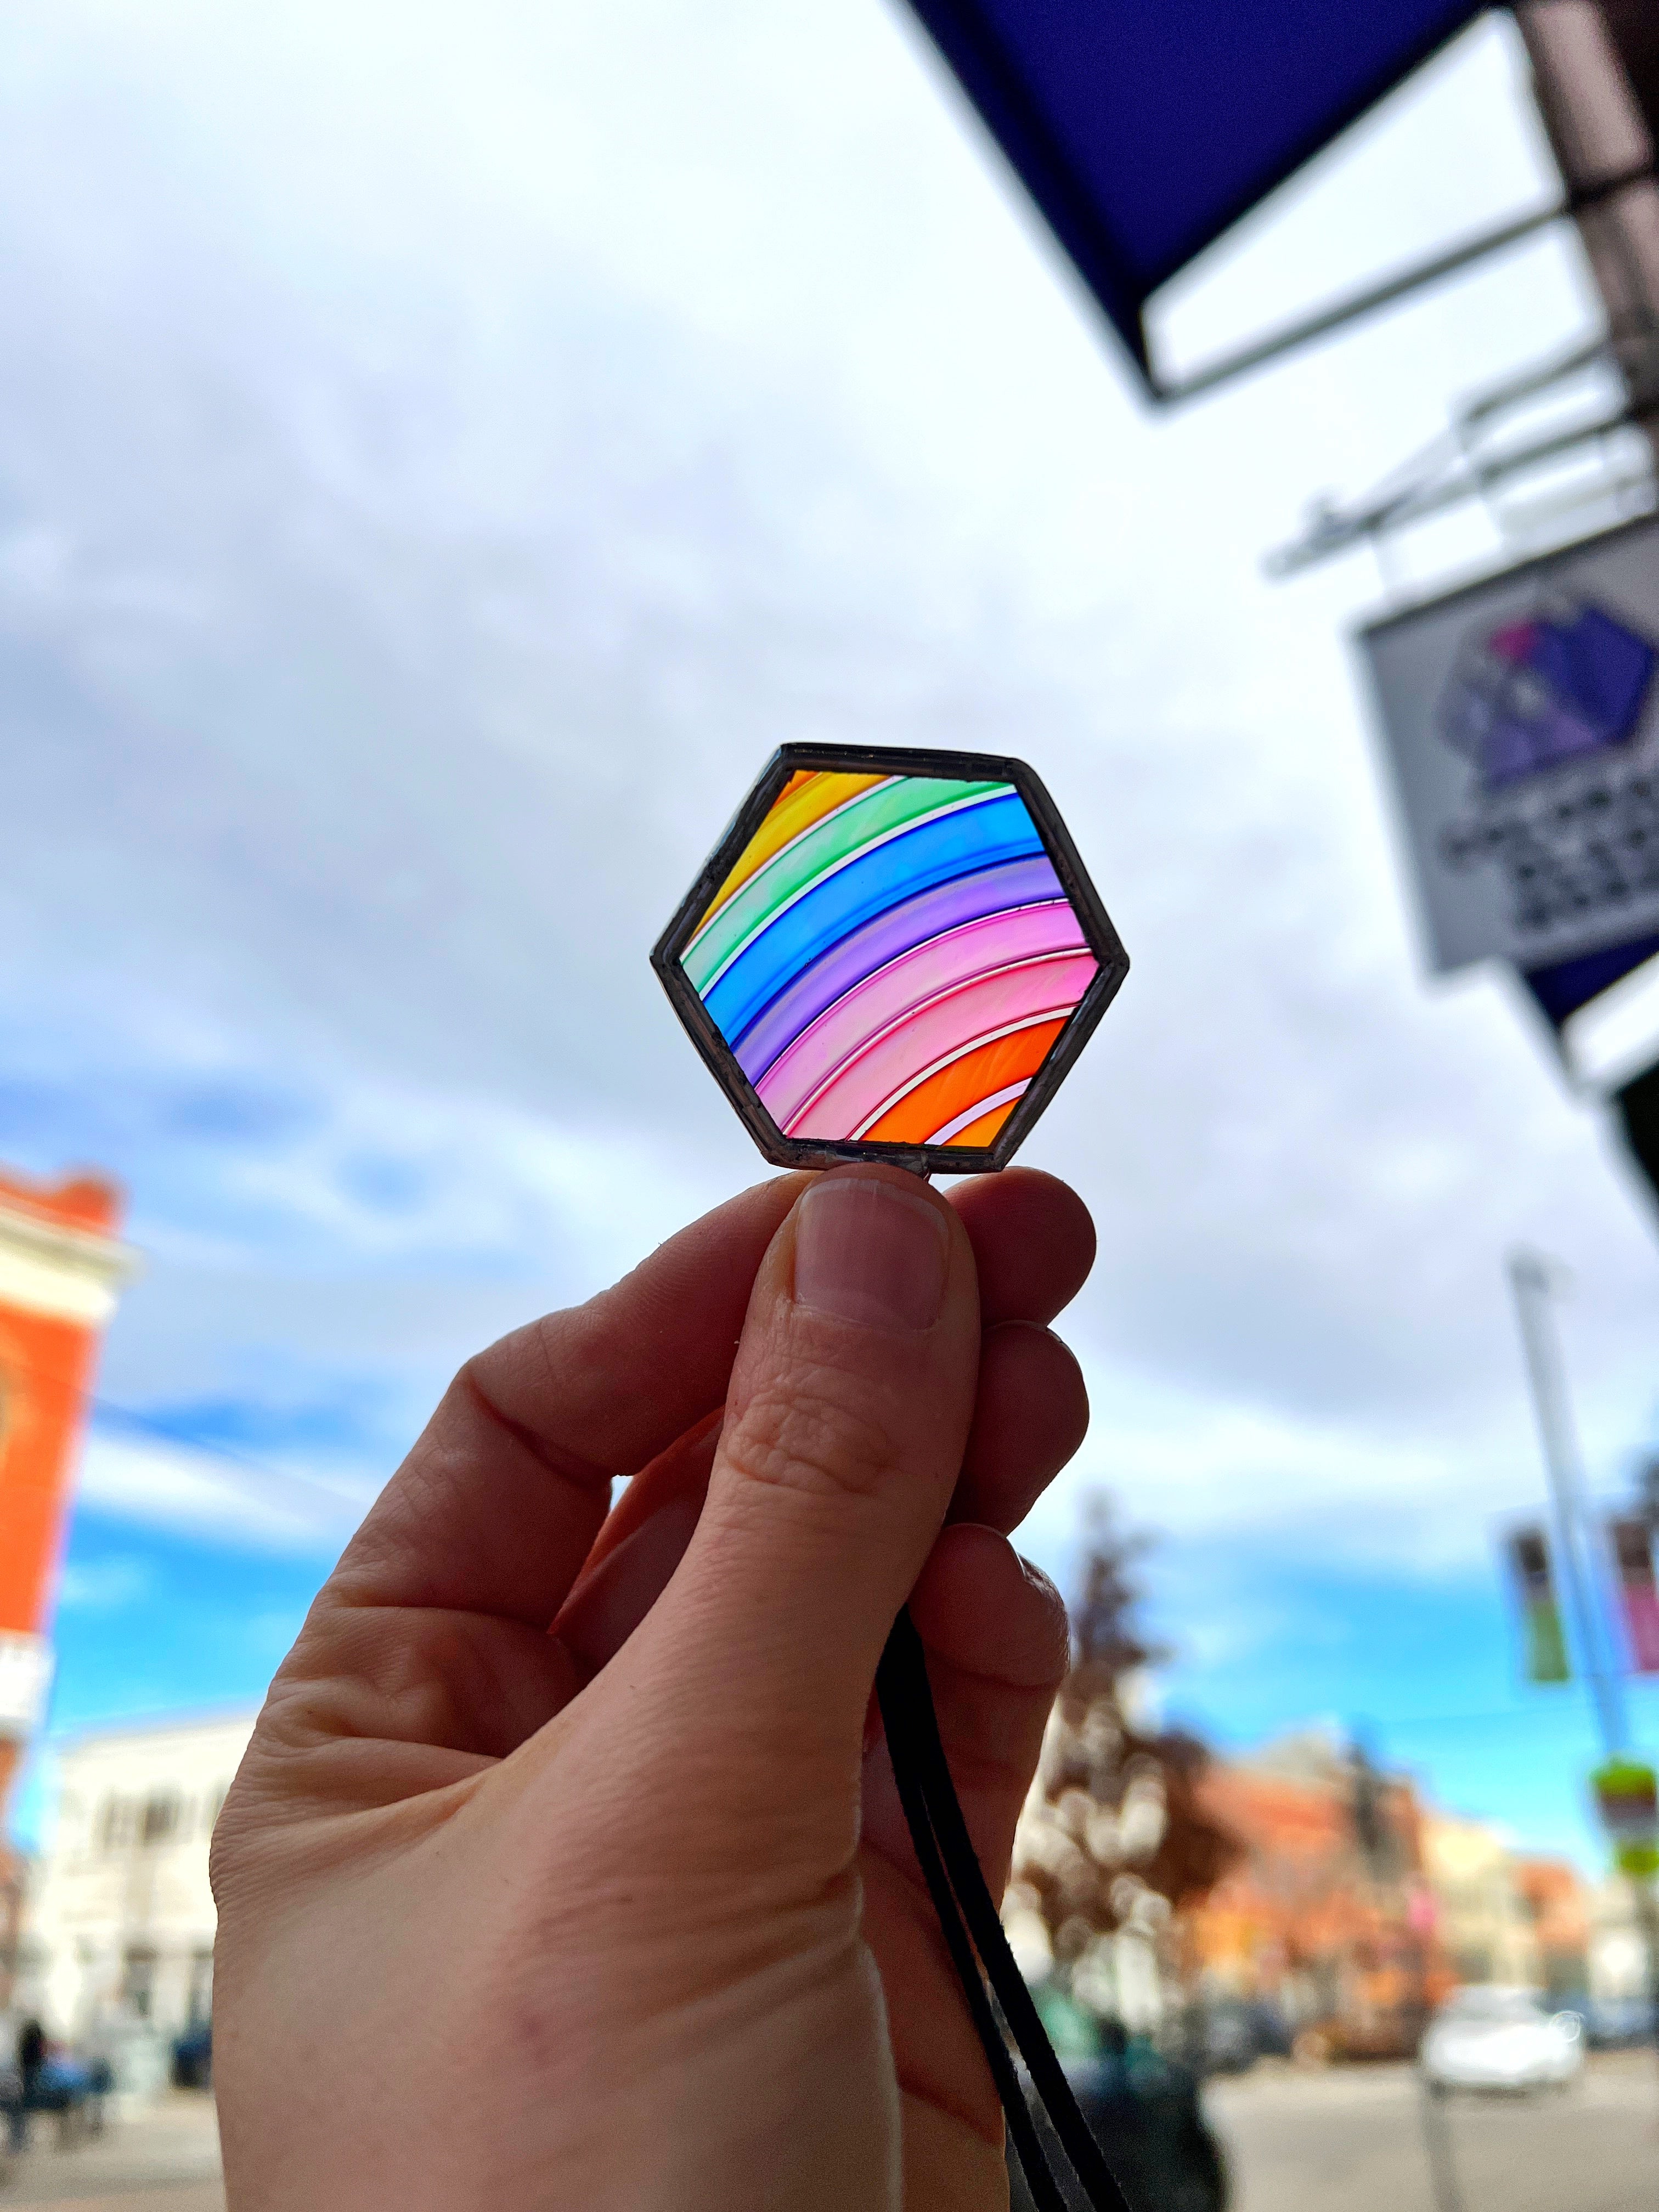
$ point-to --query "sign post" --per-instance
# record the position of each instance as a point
(1624, 1787)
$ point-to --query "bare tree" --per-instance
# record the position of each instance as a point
(1114, 1837)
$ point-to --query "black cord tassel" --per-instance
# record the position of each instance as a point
(968, 1917)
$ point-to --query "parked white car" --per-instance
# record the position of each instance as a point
(1489, 2037)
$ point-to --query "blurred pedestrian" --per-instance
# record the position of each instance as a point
(31, 2055)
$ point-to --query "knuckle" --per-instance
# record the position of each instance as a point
(809, 1437)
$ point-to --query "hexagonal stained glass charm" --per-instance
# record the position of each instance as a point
(892, 954)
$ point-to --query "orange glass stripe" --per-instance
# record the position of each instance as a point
(808, 796)
(954, 1088)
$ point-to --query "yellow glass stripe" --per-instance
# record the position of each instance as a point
(808, 796)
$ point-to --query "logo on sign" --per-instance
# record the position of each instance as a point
(1547, 709)
(1530, 696)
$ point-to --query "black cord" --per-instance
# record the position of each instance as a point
(894, 1701)
(951, 1868)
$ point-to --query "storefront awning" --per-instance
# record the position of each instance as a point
(1144, 129)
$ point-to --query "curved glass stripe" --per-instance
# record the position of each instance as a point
(897, 992)
(890, 806)
(931, 852)
(978, 1074)
(994, 1111)
(808, 796)
(941, 1032)
(951, 1133)
(983, 1128)
(873, 946)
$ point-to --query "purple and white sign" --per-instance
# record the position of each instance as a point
(1522, 722)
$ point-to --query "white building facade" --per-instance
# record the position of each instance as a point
(118, 1922)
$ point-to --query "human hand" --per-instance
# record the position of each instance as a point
(624, 1916)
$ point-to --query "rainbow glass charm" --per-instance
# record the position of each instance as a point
(892, 954)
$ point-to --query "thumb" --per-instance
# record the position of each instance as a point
(846, 1420)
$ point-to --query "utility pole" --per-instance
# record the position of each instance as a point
(1599, 1658)
(1437, 2145)
(1529, 1278)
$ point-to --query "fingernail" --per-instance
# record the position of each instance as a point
(870, 1252)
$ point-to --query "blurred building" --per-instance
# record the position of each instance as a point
(1617, 1964)
(61, 1270)
(1505, 1915)
(1327, 1915)
(118, 1922)
(1557, 1904)
(13, 1873)
(1484, 1924)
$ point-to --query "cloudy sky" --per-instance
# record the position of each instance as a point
(442, 451)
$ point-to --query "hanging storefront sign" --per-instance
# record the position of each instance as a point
(1631, 1540)
(1521, 722)
(1540, 1614)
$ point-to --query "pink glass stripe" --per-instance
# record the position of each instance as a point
(942, 1030)
(847, 1029)
(972, 1113)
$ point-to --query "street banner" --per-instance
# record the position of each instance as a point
(1540, 1615)
(1631, 1539)
(1520, 718)
(1627, 1796)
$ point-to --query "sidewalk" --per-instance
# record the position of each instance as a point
(166, 2159)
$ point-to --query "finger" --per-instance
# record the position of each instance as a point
(496, 1508)
(845, 1424)
(997, 1647)
(681, 1472)
(1030, 1414)
(636, 1552)
(1034, 1242)
(609, 1603)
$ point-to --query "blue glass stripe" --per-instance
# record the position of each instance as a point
(931, 852)
(842, 967)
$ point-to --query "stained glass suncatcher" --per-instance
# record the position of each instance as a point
(894, 954)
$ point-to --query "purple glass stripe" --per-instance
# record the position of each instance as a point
(947, 906)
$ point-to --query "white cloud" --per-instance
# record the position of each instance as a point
(445, 458)
(172, 1486)
(104, 1585)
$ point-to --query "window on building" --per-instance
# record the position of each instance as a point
(138, 1982)
(160, 1821)
(201, 1988)
(115, 1824)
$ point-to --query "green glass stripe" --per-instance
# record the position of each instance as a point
(872, 814)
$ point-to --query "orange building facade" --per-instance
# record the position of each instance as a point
(1328, 1913)
(1557, 1905)
(61, 1272)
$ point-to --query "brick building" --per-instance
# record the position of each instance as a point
(60, 1272)
(13, 1876)
(1558, 1906)
(1328, 1914)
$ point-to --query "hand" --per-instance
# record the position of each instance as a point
(624, 1916)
